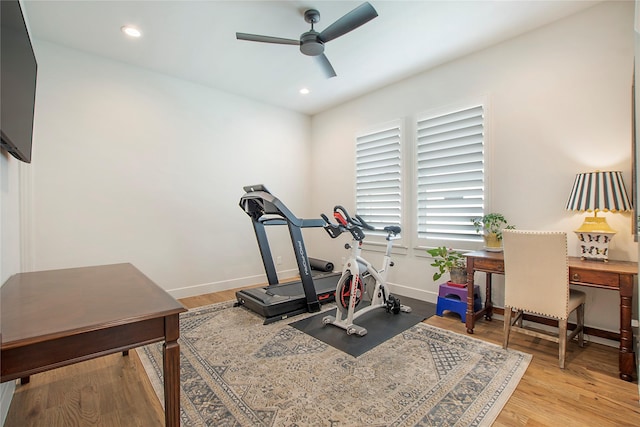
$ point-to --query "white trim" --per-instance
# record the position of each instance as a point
(25, 172)
(419, 294)
(6, 395)
(223, 285)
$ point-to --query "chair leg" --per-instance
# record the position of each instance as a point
(507, 326)
(580, 314)
(562, 341)
(520, 318)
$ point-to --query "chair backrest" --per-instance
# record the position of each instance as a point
(536, 272)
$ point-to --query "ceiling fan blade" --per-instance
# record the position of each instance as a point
(352, 20)
(266, 39)
(326, 65)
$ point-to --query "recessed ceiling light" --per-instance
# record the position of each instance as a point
(304, 91)
(131, 31)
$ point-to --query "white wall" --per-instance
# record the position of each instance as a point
(558, 104)
(135, 166)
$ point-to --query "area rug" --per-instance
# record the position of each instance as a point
(235, 371)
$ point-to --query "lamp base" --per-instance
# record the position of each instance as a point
(594, 235)
(594, 244)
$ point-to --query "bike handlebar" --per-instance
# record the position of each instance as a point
(364, 224)
(354, 225)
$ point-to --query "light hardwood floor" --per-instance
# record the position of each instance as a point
(113, 391)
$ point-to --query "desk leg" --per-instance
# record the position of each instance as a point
(471, 315)
(171, 361)
(627, 360)
(488, 305)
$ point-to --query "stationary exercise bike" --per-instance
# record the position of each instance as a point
(358, 275)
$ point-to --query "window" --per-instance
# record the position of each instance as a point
(450, 176)
(379, 177)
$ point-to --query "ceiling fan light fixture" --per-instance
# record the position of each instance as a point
(304, 91)
(310, 44)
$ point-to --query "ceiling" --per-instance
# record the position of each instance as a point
(195, 40)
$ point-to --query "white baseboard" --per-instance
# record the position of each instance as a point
(419, 294)
(6, 394)
(223, 285)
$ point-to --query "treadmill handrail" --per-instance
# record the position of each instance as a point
(278, 220)
(272, 221)
(256, 204)
(310, 223)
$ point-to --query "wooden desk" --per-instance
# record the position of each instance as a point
(613, 275)
(56, 318)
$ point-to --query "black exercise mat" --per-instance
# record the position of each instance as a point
(380, 326)
(419, 307)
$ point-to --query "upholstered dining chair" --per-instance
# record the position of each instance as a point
(537, 282)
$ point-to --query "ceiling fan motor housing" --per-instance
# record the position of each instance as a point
(310, 43)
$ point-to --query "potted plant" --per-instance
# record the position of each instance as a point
(492, 225)
(451, 261)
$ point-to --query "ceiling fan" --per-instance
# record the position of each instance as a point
(312, 42)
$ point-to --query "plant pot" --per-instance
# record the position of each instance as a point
(458, 276)
(492, 243)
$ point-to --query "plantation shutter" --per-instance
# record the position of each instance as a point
(450, 174)
(378, 177)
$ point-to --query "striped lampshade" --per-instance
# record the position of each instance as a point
(603, 191)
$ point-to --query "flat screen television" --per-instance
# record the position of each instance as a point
(18, 69)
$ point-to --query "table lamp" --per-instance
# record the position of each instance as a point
(594, 192)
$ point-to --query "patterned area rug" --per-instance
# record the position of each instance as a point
(235, 371)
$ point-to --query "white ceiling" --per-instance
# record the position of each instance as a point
(195, 40)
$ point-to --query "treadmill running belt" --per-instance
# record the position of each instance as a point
(280, 301)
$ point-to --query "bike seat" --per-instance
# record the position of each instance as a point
(395, 229)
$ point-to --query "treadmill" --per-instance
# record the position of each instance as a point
(281, 300)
